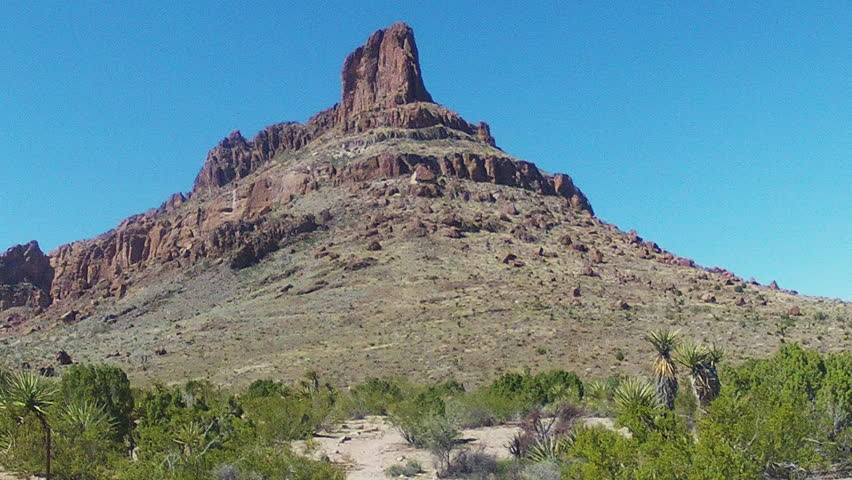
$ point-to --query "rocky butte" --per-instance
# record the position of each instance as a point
(383, 96)
(376, 217)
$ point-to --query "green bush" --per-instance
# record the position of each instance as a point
(102, 385)
(412, 468)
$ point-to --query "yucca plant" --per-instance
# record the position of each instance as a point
(598, 390)
(85, 417)
(30, 394)
(634, 395)
(549, 448)
(664, 342)
(195, 439)
(696, 359)
(715, 354)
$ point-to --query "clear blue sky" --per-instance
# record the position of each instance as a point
(724, 132)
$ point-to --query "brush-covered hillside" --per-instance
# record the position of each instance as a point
(385, 236)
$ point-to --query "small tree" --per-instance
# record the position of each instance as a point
(665, 370)
(105, 387)
(31, 395)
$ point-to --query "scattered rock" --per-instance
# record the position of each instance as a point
(422, 174)
(588, 271)
(63, 358)
(740, 302)
(374, 246)
(774, 285)
(685, 262)
(575, 292)
(312, 288)
(359, 264)
(69, 317)
(795, 311)
(452, 232)
(509, 210)
(512, 260)
(708, 298)
(160, 352)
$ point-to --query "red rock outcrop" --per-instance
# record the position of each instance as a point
(383, 73)
(26, 264)
(25, 277)
(381, 86)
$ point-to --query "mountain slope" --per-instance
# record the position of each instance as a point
(385, 235)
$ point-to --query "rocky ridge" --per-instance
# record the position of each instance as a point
(227, 214)
(386, 235)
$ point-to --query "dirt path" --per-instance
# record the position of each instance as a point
(368, 447)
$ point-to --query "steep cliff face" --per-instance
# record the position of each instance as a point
(384, 104)
(25, 281)
(383, 73)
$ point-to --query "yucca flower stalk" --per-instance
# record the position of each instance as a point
(665, 371)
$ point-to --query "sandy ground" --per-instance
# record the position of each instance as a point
(368, 447)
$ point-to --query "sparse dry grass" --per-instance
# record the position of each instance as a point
(428, 308)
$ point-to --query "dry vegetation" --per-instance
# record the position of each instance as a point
(428, 306)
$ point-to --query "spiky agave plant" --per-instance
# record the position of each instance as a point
(664, 342)
(635, 395)
(550, 448)
(81, 418)
(32, 395)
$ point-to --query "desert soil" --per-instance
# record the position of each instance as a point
(370, 446)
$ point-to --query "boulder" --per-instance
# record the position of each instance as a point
(63, 358)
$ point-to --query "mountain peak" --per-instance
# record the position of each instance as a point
(383, 73)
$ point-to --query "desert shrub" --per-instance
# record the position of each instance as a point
(411, 468)
(157, 405)
(373, 397)
(83, 446)
(24, 443)
(266, 388)
(539, 389)
(439, 436)
(279, 419)
(102, 385)
(600, 453)
(545, 437)
(264, 462)
(415, 414)
(471, 411)
(475, 465)
(541, 471)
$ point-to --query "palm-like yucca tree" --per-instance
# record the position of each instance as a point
(664, 342)
(31, 395)
(696, 359)
(715, 354)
